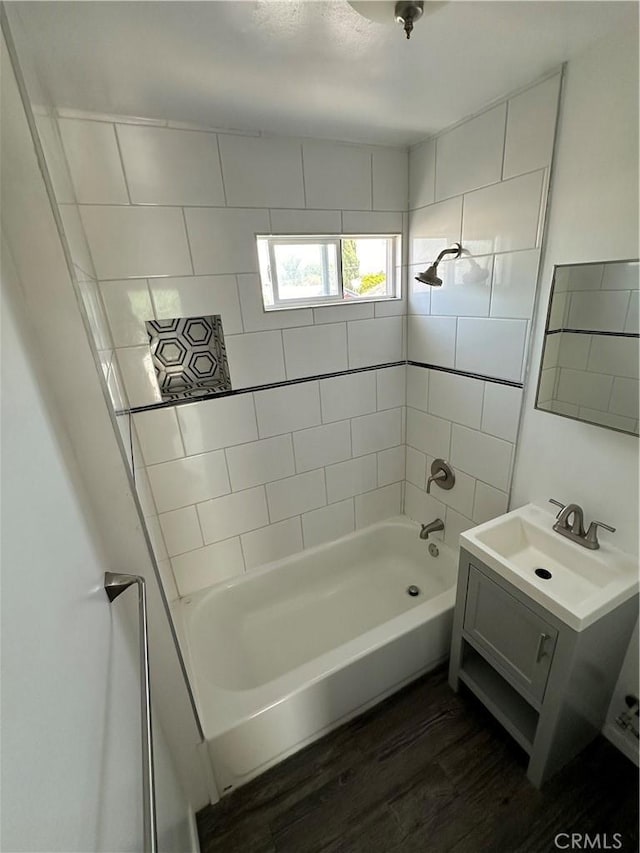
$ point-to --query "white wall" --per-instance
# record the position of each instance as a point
(593, 217)
(483, 184)
(56, 332)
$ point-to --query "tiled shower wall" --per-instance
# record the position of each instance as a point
(170, 216)
(483, 184)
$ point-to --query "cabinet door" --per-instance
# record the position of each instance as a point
(518, 642)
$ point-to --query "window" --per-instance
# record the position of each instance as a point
(308, 270)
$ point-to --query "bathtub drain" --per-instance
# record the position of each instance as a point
(413, 590)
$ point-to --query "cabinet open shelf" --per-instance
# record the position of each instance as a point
(499, 697)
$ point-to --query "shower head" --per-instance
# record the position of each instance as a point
(430, 275)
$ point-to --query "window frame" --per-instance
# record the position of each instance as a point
(393, 241)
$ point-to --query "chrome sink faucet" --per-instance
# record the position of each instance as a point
(570, 523)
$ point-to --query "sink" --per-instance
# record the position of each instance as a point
(576, 585)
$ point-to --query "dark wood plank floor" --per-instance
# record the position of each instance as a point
(427, 770)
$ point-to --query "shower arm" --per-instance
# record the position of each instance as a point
(456, 251)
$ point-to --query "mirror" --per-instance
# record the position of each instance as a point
(589, 368)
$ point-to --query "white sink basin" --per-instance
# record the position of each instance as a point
(583, 585)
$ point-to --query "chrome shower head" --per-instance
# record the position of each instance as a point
(430, 275)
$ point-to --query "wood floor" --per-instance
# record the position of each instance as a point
(427, 770)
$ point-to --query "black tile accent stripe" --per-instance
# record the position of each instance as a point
(284, 383)
(592, 332)
(468, 374)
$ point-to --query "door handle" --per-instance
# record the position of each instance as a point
(540, 652)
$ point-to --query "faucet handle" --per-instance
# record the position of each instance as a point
(557, 503)
(592, 532)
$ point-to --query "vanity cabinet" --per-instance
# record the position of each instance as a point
(548, 684)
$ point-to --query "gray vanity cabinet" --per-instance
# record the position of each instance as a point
(548, 684)
(514, 638)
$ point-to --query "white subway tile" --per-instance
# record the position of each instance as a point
(559, 310)
(470, 155)
(514, 284)
(143, 491)
(135, 242)
(376, 341)
(573, 351)
(94, 162)
(584, 388)
(419, 294)
(466, 288)
(489, 503)
(371, 222)
(155, 535)
(624, 397)
(55, 159)
(422, 174)
(548, 379)
(434, 228)
(323, 445)
(305, 221)
(432, 340)
(503, 217)
(501, 410)
(456, 398)
(621, 276)
(348, 396)
(166, 166)
(351, 478)
(96, 315)
(423, 508)
(315, 350)
(337, 176)
(159, 436)
(256, 319)
(417, 387)
(223, 240)
(607, 419)
(328, 523)
(340, 313)
(378, 505)
(236, 513)
(390, 179)
(255, 359)
(295, 495)
(491, 347)
(531, 126)
(76, 240)
(198, 296)
(208, 566)
(181, 530)
(416, 467)
(376, 432)
(293, 407)
(260, 462)
(188, 481)
(429, 434)
(578, 277)
(128, 305)
(454, 525)
(272, 543)
(391, 467)
(391, 387)
(138, 376)
(632, 323)
(262, 172)
(212, 424)
(481, 456)
(616, 356)
(460, 497)
(599, 310)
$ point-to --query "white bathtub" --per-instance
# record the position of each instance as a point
(284, 654)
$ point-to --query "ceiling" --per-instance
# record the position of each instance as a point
(304, 67)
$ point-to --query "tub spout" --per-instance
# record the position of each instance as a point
(432, 527)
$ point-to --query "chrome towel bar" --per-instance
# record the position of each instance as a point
(114, 584)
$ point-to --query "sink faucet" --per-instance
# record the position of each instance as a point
(570, 523)
(432, 527)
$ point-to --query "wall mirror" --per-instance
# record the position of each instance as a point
(589, 367)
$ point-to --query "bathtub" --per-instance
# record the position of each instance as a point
(284, 654)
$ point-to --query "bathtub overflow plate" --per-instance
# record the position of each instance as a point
(413, 590)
